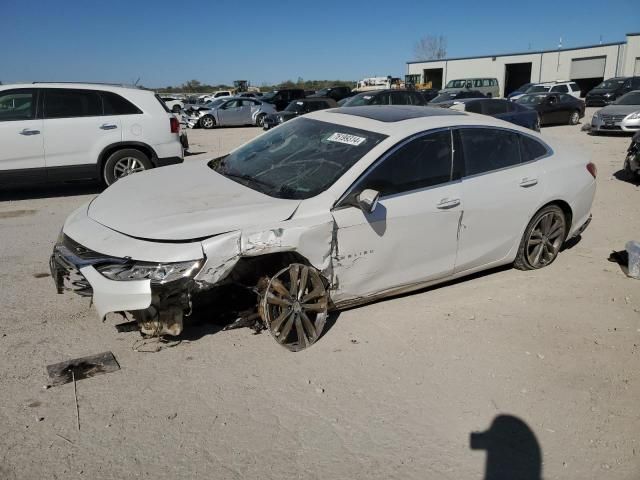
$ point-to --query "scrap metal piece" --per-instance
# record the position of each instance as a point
(294, 306)
(79, 368)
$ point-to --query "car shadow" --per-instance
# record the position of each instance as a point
(190, 154)
(623, 176)
(513, 451)
(50, 191)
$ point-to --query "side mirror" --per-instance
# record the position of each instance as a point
(368, 200)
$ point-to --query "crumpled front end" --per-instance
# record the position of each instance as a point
(155, 281)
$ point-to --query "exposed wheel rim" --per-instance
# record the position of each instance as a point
(294, 306)
(536, 126)
(260, 120)
(126, 166)
(207, 122)
(545, 239)
(574, 118)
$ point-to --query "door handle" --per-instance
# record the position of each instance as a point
(27, 132)
(108, 126)
(448, 203)
(528, 182)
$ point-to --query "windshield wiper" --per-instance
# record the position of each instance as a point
(247, 178)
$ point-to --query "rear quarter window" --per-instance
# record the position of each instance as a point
(531, 149)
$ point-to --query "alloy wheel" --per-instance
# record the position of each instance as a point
(126, 166)
(207, 122)
(545, 239)
(294, 306)
(574, 118)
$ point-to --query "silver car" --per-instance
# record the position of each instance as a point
(621, 116)
(228, 112)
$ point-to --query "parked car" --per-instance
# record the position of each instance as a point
(632, 161)
(489, 87)
(221, 93)
(521, 90)
(250, 94)
(570, 88)
(281, 98)
(554, 107)
(446, 99)
(230, 111)
(336, 93)
(297, 108)
(385, 97)
(58, 132)
(174, 104)
(502, 109)
(330, 210)
(610, 90)
(623, 115)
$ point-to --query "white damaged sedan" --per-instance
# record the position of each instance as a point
(333, 209)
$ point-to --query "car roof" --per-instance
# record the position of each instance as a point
(107, 87)
(407, 120)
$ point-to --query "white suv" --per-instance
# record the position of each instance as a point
(60, 132)
(570, 88)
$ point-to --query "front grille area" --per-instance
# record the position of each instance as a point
(612, 118)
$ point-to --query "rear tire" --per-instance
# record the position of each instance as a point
(123, 163)
(542, 239)
(260, 120)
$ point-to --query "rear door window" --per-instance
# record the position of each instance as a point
(488, 149)
(114, 104)
(560, 89)
(18, 104)
(421, 163)
(66, 103)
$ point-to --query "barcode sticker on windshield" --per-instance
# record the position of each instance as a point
(346, 138)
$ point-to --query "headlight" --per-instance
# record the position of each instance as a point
(280, 119)
(595, 115)
(609, 94)
(158, 273)
(634, 116)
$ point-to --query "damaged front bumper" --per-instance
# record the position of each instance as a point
(158, 307)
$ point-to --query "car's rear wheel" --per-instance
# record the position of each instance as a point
(260, 119)
(207, 122)
(123, 163)
(574, 117)
(294, 306)
(542, 239)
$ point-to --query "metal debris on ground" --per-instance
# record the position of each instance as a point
(79, 368)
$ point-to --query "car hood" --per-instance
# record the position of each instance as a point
(619, 109)
(184, 202)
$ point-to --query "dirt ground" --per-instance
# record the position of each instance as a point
(393, 389)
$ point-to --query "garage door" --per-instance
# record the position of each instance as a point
(636, 71)
(587, 67)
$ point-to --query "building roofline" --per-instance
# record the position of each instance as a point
(536, 52)
(634, 34)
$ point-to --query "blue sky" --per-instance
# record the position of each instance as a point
(217, 41)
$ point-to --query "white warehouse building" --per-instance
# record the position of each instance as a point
(587, 66)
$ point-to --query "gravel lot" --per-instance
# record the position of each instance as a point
(393, 390)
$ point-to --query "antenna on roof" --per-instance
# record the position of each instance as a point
(135, 84)
(600, 39)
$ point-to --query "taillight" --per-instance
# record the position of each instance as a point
(175, 125)
(592, 169)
